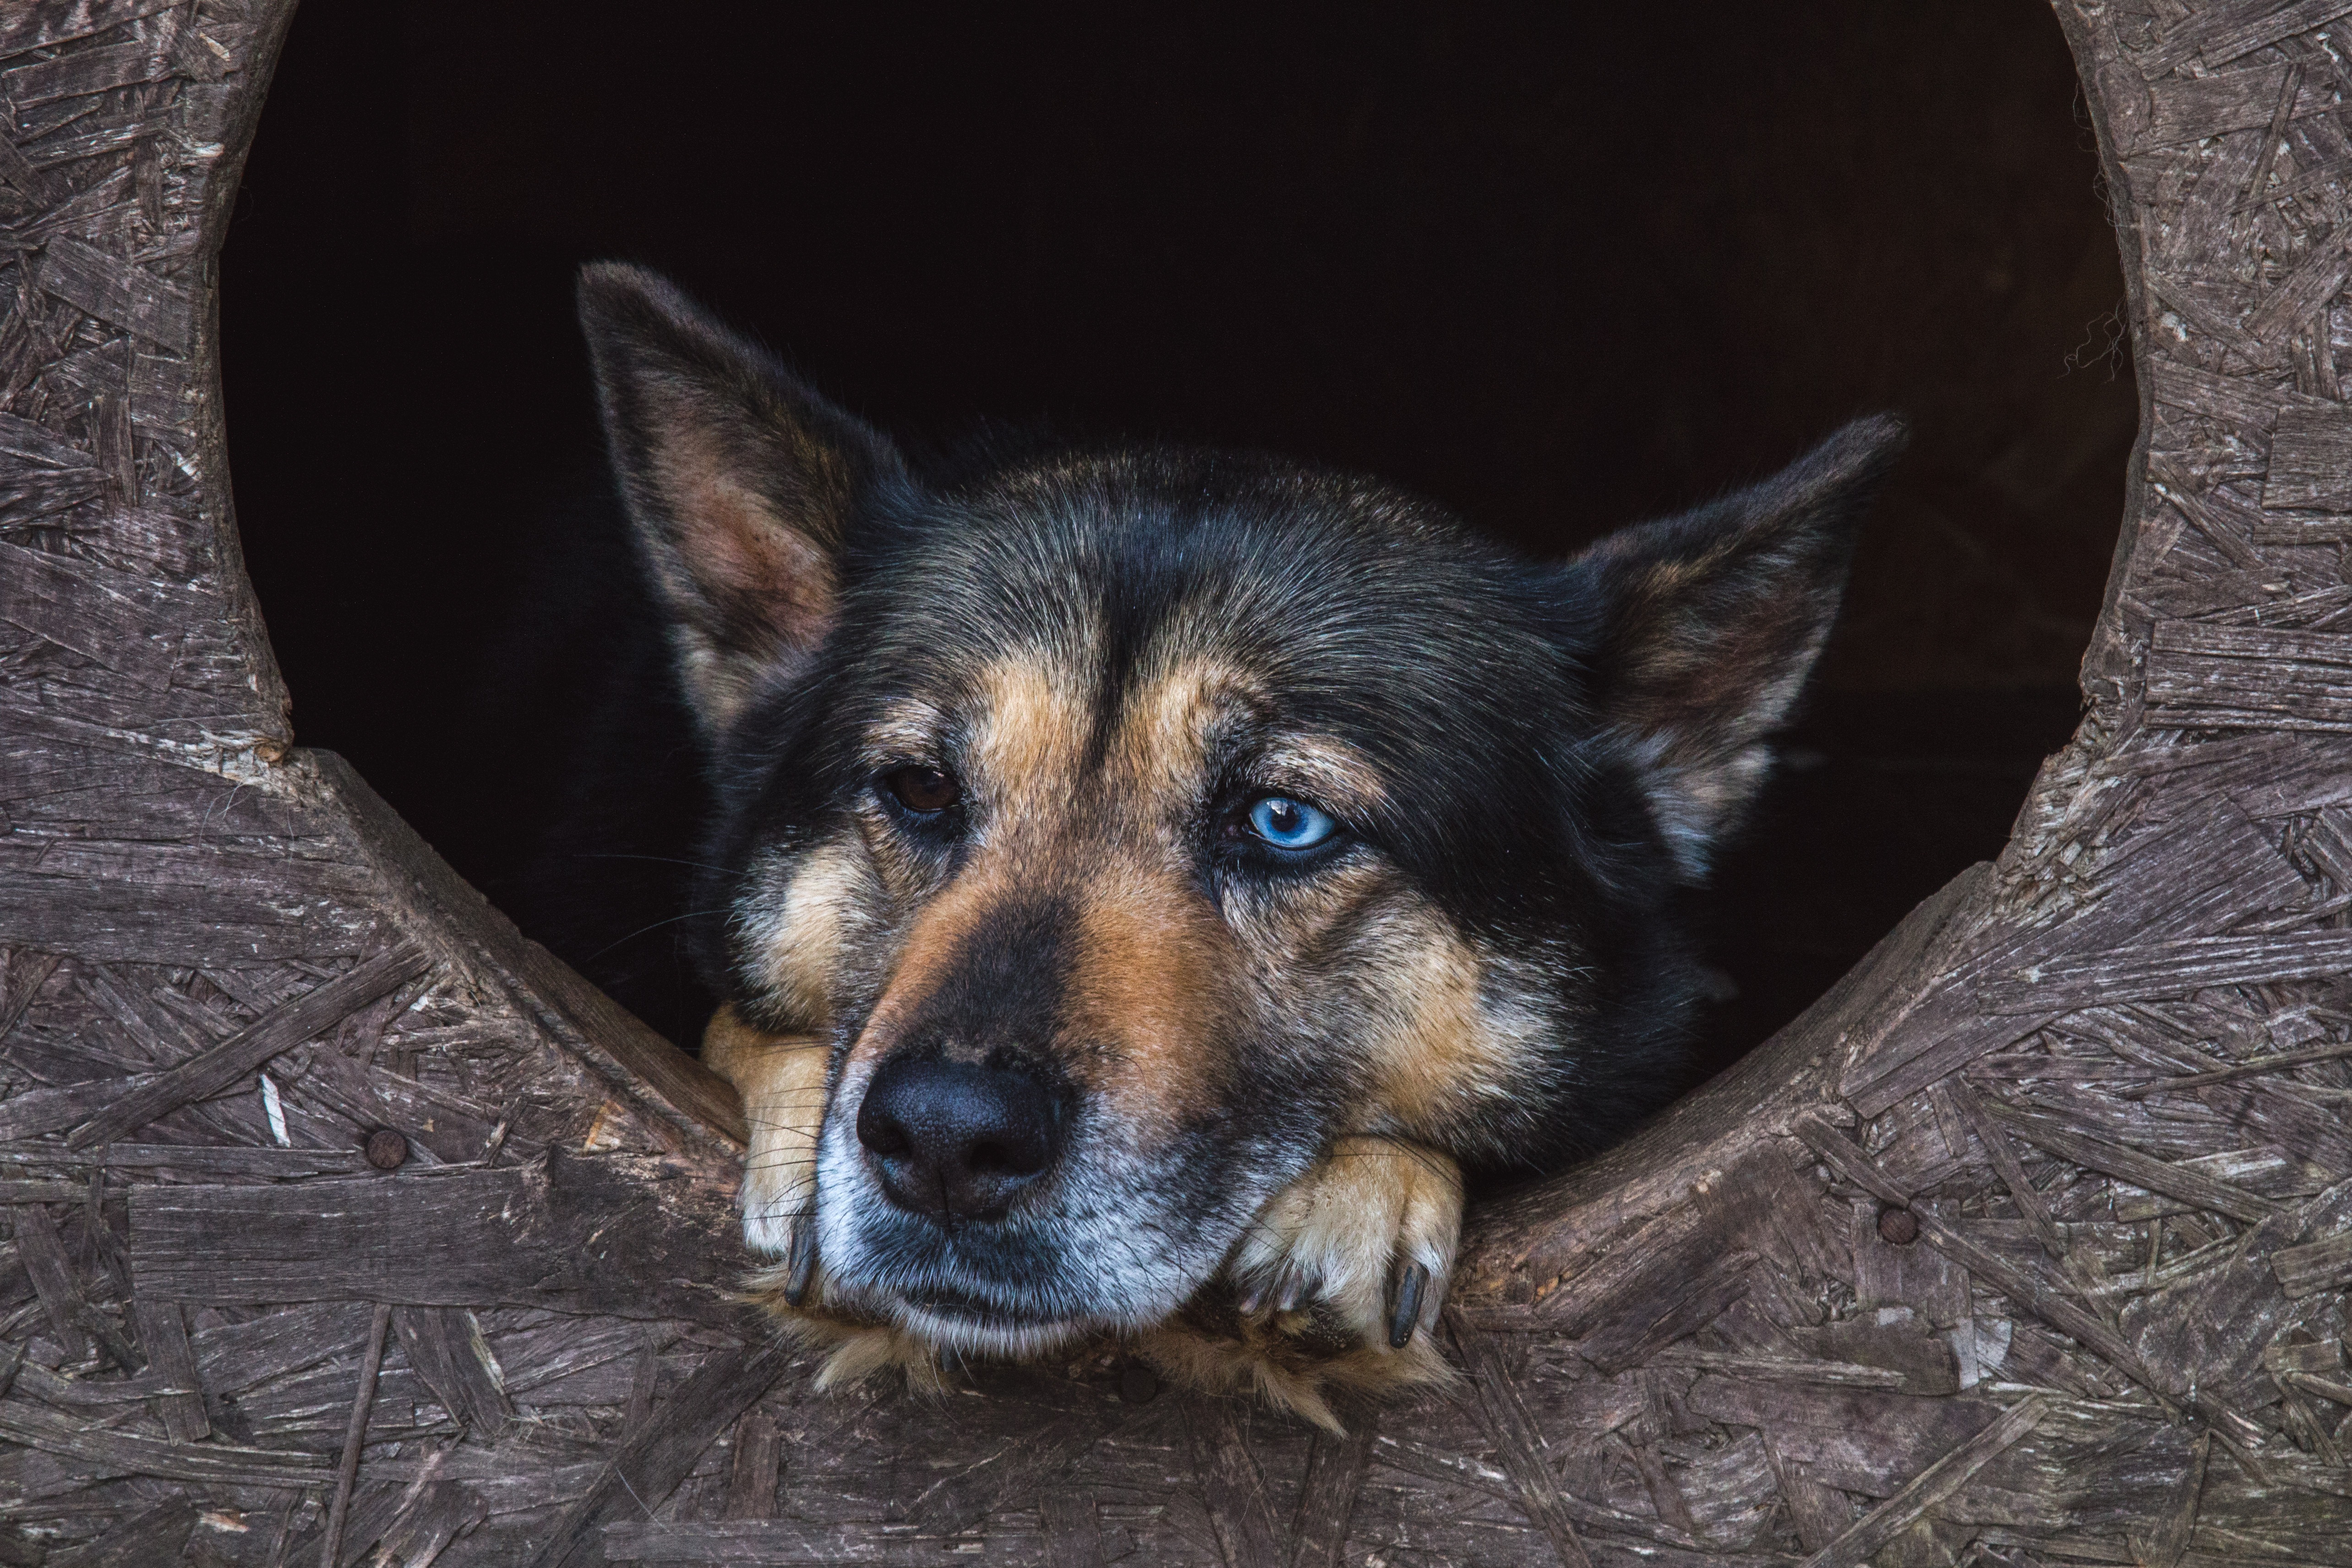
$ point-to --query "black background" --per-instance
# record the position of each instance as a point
(1557, 266)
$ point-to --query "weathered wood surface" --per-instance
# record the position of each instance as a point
(2028, 1245)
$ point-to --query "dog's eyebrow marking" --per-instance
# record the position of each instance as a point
(908, 727)
(1175, 721)
(1031, 724)
(1170, 725)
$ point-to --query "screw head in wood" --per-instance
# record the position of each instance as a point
(386, 1149)
(1138, 1385)
(1899, 1226)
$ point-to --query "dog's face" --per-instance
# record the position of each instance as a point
(1134, 833)
(1135, 823)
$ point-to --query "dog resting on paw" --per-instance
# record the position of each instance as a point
(1155, 878)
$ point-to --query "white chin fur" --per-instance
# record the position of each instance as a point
(971, 1337)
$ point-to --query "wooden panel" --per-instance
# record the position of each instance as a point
(572, 1233)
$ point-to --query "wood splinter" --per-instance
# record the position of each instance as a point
(355, 1436)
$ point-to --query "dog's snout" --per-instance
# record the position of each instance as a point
(959, 1140)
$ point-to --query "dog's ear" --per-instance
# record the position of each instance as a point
(1710, 623)
(739, 479)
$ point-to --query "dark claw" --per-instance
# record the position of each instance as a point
(1253, 1297)
(1294, 1290)
(1405, 1287)
(801, 1263)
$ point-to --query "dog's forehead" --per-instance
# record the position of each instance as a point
(1089, 560)
(1088, 619)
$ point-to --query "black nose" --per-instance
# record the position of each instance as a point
(958, 1140)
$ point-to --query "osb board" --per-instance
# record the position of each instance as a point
(2027, 1245)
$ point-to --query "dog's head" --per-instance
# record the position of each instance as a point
(1134, 821)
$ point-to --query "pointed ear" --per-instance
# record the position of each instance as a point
(740, 481)
(1710, 622)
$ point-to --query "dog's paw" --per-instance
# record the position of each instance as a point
(1364, 1241)
(1337, 1286)
(782, 1079)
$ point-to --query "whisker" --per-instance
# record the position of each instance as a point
(666, 859)
(690, 914)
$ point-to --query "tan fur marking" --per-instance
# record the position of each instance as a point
(1028, 734)
(1162, 740)
(933, 945)
(1032, 730)
(803, 943)
(909, 728)
(1260, 1358)
(1441, 1047)
(1165, 737)
(1342, 1229)
(1151, 977)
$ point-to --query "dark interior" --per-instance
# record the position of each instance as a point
(1558, 269)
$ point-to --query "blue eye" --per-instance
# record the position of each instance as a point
(1290, 824)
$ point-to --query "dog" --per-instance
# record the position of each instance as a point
(1156, 879)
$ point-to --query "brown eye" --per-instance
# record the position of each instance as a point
(922, 789)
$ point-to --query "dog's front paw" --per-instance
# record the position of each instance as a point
(782, 1079)
(1337, 1286)
(1364, 1241)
